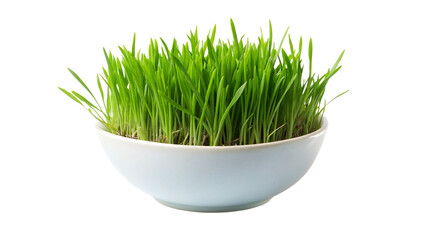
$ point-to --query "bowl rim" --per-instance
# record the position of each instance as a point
(101, 131)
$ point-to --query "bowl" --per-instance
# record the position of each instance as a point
(212, 178)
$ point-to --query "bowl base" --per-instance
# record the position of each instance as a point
(212, 209)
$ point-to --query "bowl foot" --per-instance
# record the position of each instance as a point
(211, 209)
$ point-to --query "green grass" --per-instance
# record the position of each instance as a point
(206, 93)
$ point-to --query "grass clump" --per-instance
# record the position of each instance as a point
(229, 93)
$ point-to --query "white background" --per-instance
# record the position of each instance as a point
(368, 181)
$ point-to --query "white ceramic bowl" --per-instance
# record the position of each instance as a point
(212, 179)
